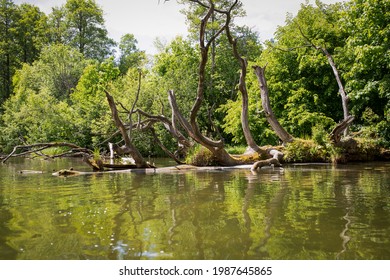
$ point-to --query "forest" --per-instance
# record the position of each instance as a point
(319, 91)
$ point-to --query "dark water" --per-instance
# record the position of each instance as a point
(303, 212)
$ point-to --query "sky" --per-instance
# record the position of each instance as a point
(149, 19)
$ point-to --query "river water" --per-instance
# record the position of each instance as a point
(301, 212)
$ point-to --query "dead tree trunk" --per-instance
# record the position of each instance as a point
(191, 126)
(183, 143)
(343, 94)
(335, 135)
(244, 92)
(272, 120)
(216, 148)
(133, 151)
(344, 97)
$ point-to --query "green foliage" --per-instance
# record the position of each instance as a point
(37, 117)
(88, 100)
(86, 30)
(366, 60)
(22, 36)
(54, 93)
(309, 151)
(130, 55)
(176, 68)
(320, 135)
(31, 32)
(39, 109)
(236, 150)
(200, 156)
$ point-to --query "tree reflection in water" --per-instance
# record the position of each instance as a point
(303, 212)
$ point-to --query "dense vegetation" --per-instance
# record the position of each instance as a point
(56, 68)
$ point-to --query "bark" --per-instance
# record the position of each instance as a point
(134, 104)
(191, 126)
(344, 97)
(343, 94)
(220, 154)
(161, 145)
(170, 126)
(271, 161)
(133, 151)
(204, 50)
(244, 92)
(272, 120)
(335, 135)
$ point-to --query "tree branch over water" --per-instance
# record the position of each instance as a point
(39, 147)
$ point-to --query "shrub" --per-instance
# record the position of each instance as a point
(200, 156)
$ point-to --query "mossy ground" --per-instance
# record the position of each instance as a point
(302, 151)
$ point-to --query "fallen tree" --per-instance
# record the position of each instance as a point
(38, 149)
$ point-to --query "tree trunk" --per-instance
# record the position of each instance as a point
(133, 151)
(244, 92)
(272, 120)
(216, 148)
(335, 135)
(344, 97)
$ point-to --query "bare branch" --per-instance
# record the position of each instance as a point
(134, 103)
(242, 87)
(344, 96)
(272, 120)
(34, 148)
(139, 160)
(157, 140)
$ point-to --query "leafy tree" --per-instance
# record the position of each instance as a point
(31, 32)
(58, 69)
(366, 61)
(88, 100)
(37, 117)
(80, 24)
(8, 47)
(58, 30)
(22, 36)
(39, 110)
(130, 55)
(302, 85)
(175, 68)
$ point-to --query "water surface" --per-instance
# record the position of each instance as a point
(300, 212)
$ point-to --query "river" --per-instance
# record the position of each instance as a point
(299, 212)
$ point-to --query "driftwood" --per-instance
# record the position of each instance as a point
(164, 170)
(190, 125)
(275, 160)
(267, 162)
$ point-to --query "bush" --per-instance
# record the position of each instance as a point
(309, 151)
(200, 156)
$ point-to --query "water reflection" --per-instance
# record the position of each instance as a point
(301, 212)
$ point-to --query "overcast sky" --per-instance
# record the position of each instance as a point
(147, 19)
